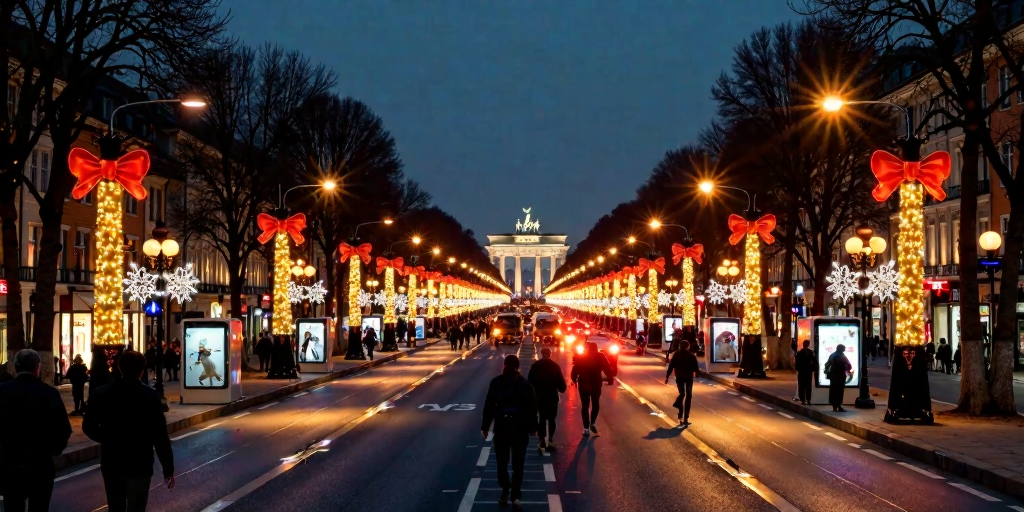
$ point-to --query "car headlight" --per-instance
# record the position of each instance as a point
(570, 338)
(497, 332)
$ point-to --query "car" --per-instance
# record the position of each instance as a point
(546, 328)
(507, 328)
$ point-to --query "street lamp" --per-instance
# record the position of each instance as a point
(835, 104)
(728, 270)
(863, 249)
(185, 102)
(672, 283)
(990, 241)
(161, 251)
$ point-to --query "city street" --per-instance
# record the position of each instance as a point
(397, 442)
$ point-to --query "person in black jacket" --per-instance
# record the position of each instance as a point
(34, 429)
(547, 381)
(264, 347)
(586, 375)
(806, 364)
(78, 375)
(684, 363)
(453, 336)
(128, 422)
(512, 406)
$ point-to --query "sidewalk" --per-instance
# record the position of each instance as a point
(987, 451)
(256, 389)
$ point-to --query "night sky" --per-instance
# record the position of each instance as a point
(564, 106)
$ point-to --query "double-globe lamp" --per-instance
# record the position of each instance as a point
(154, 248)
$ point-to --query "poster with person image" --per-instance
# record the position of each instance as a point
(311, 334)
(725, 338)
(669, 325)
(829, 337)
(375, 322)
(205, 356)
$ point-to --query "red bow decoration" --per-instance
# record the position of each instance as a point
(414, 271)
(271, 225)
(646, 264)
(679, 252)
(346, 251)
(383, 263)
(626, 271)
(127, 170)
(763, 226)
(432, 276)
(891, 171)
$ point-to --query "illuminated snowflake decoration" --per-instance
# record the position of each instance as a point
(380, 299)
(716, 292)
(181, 284)
(316, 293)
(401, 303)
(139, 284)
(664, 297)
(296, 293)
(364, 298)
(624, 302)
(422, 302)
(434, 301)
(645, 300)
(738, 292)
(884, 282)
(843, 282)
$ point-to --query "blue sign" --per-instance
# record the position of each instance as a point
(421, 322)
(152, 308)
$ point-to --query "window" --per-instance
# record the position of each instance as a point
(1004, 86)
(131, 205)
(943, 243)
(62, 260)
(1006, 157)
(1004, 225)
(956, 241)
(35, 233)
(155, 204)
(87, 199)
(82, 248)
(982, 225)
(984, 95)
(38, 171)
(12, 99)
(929, 243)
(108, 108)
(955, 168)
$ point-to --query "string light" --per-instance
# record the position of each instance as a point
(442, 296)
(616, 293)
(389, 295)
(752, 277)
(430, 298)
(108, 314)
(412, 295)
(355, 312)
(652, 285)
(282, 320)
(910, 299)
(689, 310)
(631, 293)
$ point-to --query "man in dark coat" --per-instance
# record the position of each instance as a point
(453, 336)
(264, 347)
(547, 381)
(78, 375)
(654, 334)
(586, 374)
(944, 354)
(34, 429)
(467, 332)
(806, 364)
(839, 370)
(401, 330)
(512, 406)
(128, 422)
(684, 363)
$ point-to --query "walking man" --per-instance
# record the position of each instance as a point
(512, 407)
(839, 371)
(547, 381)
(264, 347)
(805, 366)
(126, 419)
(586, 375)
(78, 375)
(34, 430)
(684, 363)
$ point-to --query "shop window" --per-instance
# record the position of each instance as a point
(38, 168)
(82, 249)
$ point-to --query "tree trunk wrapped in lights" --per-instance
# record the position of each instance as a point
(752, 356)
(355, 256)
(110, 174)
(653, 268)
(388, 339)
(280, 229)
(631, 293)
(431, 310)
(688, 255)
(909, 393)
(442, 298)
(616, 293)
(412, 296)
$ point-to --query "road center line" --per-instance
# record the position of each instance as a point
(855, 445)
(834, 436)
(183, 436)
(554, 503)
(271, 404)
(784, 415)
(246, 413)
(747, 398)
(300, 394)
(76, 473)
(470, 497)
(975, 492)
(485, 453)
(815, 427)
(549, 473)
(767, 407)
(924, 472)
(878, 454)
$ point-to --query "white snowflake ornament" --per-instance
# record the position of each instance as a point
(181, 284)
(738, 292)
(380, 299)
(843, 282)
(401, 303)
(296, 293)
(716, 292)
(316, 292)
(139, 284)
(884, 282)
(422, 302)
(364, 298)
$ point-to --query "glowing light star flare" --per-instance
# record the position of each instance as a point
(108, 315)
(910, 298)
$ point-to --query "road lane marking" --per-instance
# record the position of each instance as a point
(784, 415)
(554, 503)
(879, 455)
(733, 393)
(485, 453)
(183, 436)
(744, 428)
(300, 394)
(549, 472)
(208, 427)
(815, 427)
(271, 404)
(743, 477)
(490, 435)
(924, 472)
(833, 436)
(1018, 509)
(747, 398)
(76, 473)
(767, 407)
(855, 445)
(470, 497)
(975, 492)
(246, 413)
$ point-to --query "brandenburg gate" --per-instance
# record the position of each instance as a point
(527, 242)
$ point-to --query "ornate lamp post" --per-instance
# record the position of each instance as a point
(161, 252)
(304, 274)
(863, 250)
(990, 241)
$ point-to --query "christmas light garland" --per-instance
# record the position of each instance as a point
(108, 315)
(752, 278)
(281, 323)
(910, 301)
(689, 309)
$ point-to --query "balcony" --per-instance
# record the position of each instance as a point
(64, 275)
(953, 192)
(941, 270)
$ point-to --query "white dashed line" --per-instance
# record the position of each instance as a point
(977, 493)
(878, 454)
(76, 473)
(815, 427)
(235, 417)
(271, 404)
(924, 472)
(470, 497)
(485, 452)
(734, 393)
(744, 428)
(490, 436)
(747, 398)
(211, 426)
(300, 394)
(784, 415)
(855, 445)
(833, 436)
(1018, 509)
(767, 407)
(549, 473)
(554, 503)
(183, 436)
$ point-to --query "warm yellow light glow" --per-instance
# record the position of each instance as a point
(832, 104)
(600, 259)
(877, 244)
(631, 240)
(309, 271)
(416, 240)
(437, 250)
(752, 276)
(853, 245)
(412, 296)
(355, 314)
(612, 250)
(616, 293)
(990, 241)
(734, 271)
(463, 265)
(706, 187)
(655, 223)
(910, 296)
(723, 271)
(689, 310)
(652, 285)
(193, 103)
(430, 303)
(282, 319)
(329, 185)
(169, 247)
(389, 295)
(388, 222)
(775, 290)
(451, 260)
(108, 314)
(590, 263)
(631, 293)
(151, 248)
(296, 271)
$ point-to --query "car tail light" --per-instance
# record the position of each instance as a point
(579, 348)
(614, 349)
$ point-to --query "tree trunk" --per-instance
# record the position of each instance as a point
(235, 286)
(822, 267)
(1001, 382)
(786, 299)
(11, 266)
(340, 339)
(975, 398)
(50, 211)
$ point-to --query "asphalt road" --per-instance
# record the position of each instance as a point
(424, 451)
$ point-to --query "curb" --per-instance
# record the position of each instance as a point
(91, 450)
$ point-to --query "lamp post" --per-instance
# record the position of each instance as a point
(161, 251)
(990, 241)
(670, 284)
(304, 273)
(727, 271)
(863, 249)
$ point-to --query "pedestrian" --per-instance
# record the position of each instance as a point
(478, 328)
(586, 375)
(806, 364)
(58, 371)
(370, 341)
(128, 422)
(169, 358)
(873, 346)
(78, 375)
(151, 356)
(512, 406)
(684, 363)
(176, 366)
(958, 359)
(264, 347)
(467, 332)
(547, 380)
(34, 430)
(944, 355)
(401, 329)
(453, 336)
(282, 361)
(839, 370)
(929, 350)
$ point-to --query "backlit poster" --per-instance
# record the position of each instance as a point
(830, 336)
(311, 341)
(640, 325)
(725, 336)
(205, 356)
(372, 322)
(669, 324)
(421, 327)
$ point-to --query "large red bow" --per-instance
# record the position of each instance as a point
(891, 171)
(646, 264)
(740, 227)
(626, 271)
(383, 263)
(414, 271)
(346, 251)
(127, 170)
(679, 252)
(433, 276)
(271, 225)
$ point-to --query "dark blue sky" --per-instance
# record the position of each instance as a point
(561, 105)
